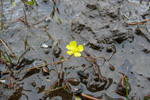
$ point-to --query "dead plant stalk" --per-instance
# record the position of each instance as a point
(7, 47)
(135, 23)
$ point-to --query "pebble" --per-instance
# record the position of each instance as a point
(112, 68)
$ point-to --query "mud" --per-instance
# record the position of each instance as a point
(101, 26)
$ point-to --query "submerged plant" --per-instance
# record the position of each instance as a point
(127, 88)
(61, 80)
(74, 49)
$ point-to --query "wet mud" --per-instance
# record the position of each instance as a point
(109, 29)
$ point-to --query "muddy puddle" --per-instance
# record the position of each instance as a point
(114, 65)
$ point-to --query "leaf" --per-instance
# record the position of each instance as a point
(31, 3)
(13, 3)
(77, 98)
(73, 37)
(48, 80)
(9, 59)
(62, 58)
(4, 57)
(59, 21)
(58, 10)
(52, 14)
(45, 62)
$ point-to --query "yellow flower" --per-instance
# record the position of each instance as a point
(74, 49)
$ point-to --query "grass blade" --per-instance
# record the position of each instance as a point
(127, 88)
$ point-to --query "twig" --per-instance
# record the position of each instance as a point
(60, 61)
(26, 22)
(89, 97)
(55, 66)
(89, 56)
(39, 21)
(22, 20)
(23, 54)
(93, 59)
(7, 47)
(68, 86)
(61, 70)
(53, 85)
(84, 95)
(135, 23)
(99, 74)
(120, 93)
(31, 23)
(18, 64)
(11, 79)
(16, 19)
(7, 72)
(50, 64)
(6, 65)
(122, 81)
(93, 62)
(112, 53)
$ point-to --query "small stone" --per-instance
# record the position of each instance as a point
(2, 81)
(44, 45)
(33, 84)
(47, 20)
(112, 68)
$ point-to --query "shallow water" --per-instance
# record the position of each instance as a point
(101, 26)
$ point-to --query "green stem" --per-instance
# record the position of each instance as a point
(127, 88)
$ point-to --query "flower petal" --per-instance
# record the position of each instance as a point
(69, 47)
(80, 48)
(77, 54)
(73, 44)
(69, 52)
